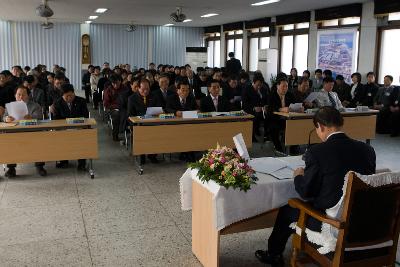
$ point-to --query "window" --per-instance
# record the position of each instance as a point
(389, 55)
(394, 16)
(234, 43)
(258, 39)
(213, 51)
(351, 21)
(341, 22)
(294, 47)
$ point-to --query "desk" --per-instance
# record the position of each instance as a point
(49, 141)
(357, 125)
(153, 136)
(217, 211)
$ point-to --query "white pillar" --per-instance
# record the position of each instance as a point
(366, 58)
(312, 44)
(245, 50)
(222, 48)
(274, 40)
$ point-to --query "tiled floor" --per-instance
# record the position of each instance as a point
(117, 219)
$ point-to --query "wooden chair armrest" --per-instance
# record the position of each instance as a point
(305, 207)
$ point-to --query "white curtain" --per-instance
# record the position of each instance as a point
(112, 43)
(60, 45)
(169, 43)
(6, 46)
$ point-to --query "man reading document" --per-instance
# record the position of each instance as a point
(321, 182)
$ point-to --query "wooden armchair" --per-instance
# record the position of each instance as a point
(371, 217)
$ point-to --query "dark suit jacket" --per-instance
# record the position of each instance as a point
(370, 91)
(158, 98)
(78, 109)
(359, 95)
(136, 106)
(207, 105)
(343, 91)
(251, 99)
(326, 166)
(233, 66)
(174, 104)
(274, 103)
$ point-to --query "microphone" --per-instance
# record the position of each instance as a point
(309, 143)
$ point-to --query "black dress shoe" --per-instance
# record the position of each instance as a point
(62, 165)
(264, 257)
(11, 173)
(41, 171)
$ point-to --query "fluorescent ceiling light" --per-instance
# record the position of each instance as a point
(209, 15)
(169, 24)
(88, 22)
(265, 2)
(187, 20)
(101, 10)
(93, 17)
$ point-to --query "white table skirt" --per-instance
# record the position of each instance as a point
(231, 206)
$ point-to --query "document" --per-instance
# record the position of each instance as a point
(312, 97)
(204, 90)
(267, 165)
(284, 173)
(18, 110)
(190, 114)
(152, 111)
(296, 107)
(294, 162)
(241, 146)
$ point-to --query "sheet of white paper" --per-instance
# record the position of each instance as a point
(284, 173)
(237, 98)
(295, 106)
(18, 110)
(190, 114)
(267, 165)
(241, 146)
(294, 162)
(204, 90)
(151, 111)
(312, 97)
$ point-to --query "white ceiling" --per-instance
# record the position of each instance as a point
(156, 12)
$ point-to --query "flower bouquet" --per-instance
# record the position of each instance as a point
(225, 167)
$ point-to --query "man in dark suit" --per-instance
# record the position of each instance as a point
(254, 101)
(214, 102)
(321, 182)
(233, 92)
(342, 88)
(70, 106)
(182, 101)
(279, 101)
(233, 65)
(370, 90)
(137, 106)
(160, 96)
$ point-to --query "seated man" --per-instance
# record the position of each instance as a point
(34, 112)
(279, 101)
(182, 101)
(36, 94)
(342, 89)
(302, 91)
(214, 102)
(70, 106)
(254, 101)
(321, 182)
(232, 91)
(394, 119)
(370, 90)
(160, 96)
(382, 103)
(327, 97)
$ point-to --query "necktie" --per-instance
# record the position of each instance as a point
(282, 101)
(69, 106)
(164, 94)
(183, 103)
(144, 100)
(332, 100)
(215, 100)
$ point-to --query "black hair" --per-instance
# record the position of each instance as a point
(340, 77)
(90, 66)
(97, 68)
(115, 78)
(390, 77)
(182, 82)
(318, 71)
(66, 88)
(29, 79)
(308, 72)
(27, 68)
(213, 81)
(144, 80)
(51, 74)
(327, 73)
(370, 73)
(59, 76)
(303, 79)
(328, 79)
(358, 75)
(231, 54)
(329, 117)
(244, 75)
(163, 76)
(280, 80)
(6, 73)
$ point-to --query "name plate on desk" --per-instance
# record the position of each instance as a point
(28, 122)
(75, 120)
(237, 113)
(204, 115)
(166, 116)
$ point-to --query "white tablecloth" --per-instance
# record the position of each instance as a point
(231, 206)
